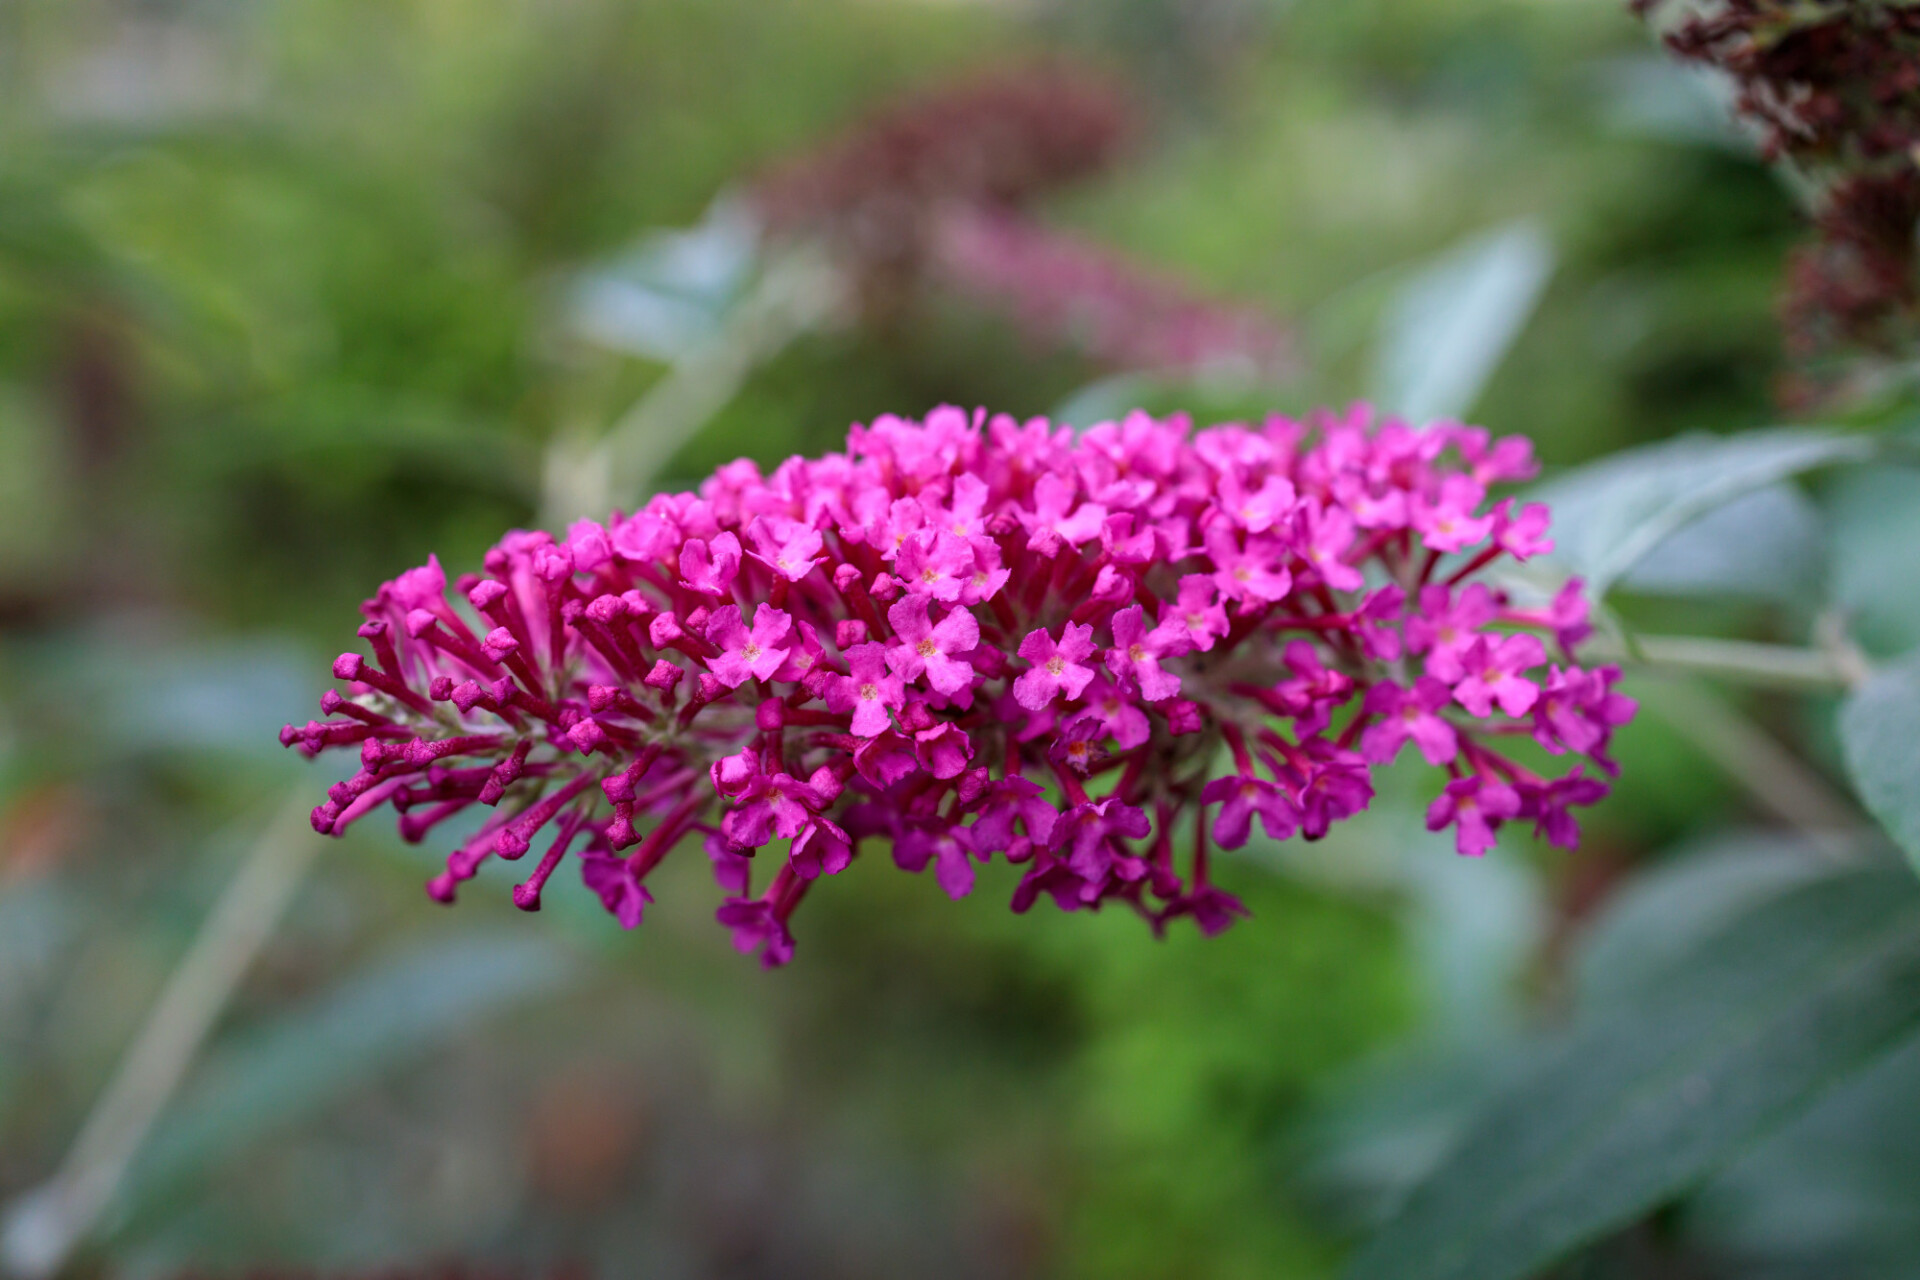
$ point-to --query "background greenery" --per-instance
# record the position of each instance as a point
(280, 313)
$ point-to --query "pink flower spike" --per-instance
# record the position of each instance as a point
(745, 655)
(1409, 713)
(1494, 675)
(969, 636)
(930, 650)
(1134, 659)
(1056, 667)
(1474, 806)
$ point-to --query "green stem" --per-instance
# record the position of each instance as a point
(42, 1227)
(1777, 666)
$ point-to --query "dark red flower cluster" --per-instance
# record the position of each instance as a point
(976, 636)
(1000, 138)
(933, 191)
(1835, 87)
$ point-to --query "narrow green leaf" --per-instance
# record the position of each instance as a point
(306, 1058)
(1880, 733)
(1106, 400)
(670, 291)
(1608, 515)
(1451, 324)
(1641, 1104)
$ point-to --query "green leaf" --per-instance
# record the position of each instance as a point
(1106, 400)
(1450, 325)
(672, 290)
(1608, 515)
(1652, 96)
(1832, 1194)
(1764, 545)
(306, 1058)
(1641, 1104)
(1880, 734)
(1665, 912)
(1874, 526)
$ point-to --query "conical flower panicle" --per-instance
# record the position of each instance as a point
(973, 636)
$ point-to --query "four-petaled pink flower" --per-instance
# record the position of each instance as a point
(1493, 666)
(869, 691)
(1255, 574)
(1443, 627)
(1324, 536)
(1409, 713)
(932, 649)
(952, 863)
(1523, 535)
(1446, 521)
(1194, 620)
(1578, 710)
(1056, 668)
(935, 564)
(1240, 797)
(1261, 509)
(786, 547)
(1135, 660)
(710, 568)
(1474, 806)
(745, 655)
(1549, 803)
(621, 892)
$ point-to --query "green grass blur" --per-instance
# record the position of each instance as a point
(278, 294)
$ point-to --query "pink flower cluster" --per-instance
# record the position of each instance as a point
(1087, 653)
(1061, 289)
(936, 189)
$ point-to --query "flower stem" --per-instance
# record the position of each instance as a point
(43, 1226)
(1836, 668)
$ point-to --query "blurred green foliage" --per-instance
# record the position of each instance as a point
(278, 317)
